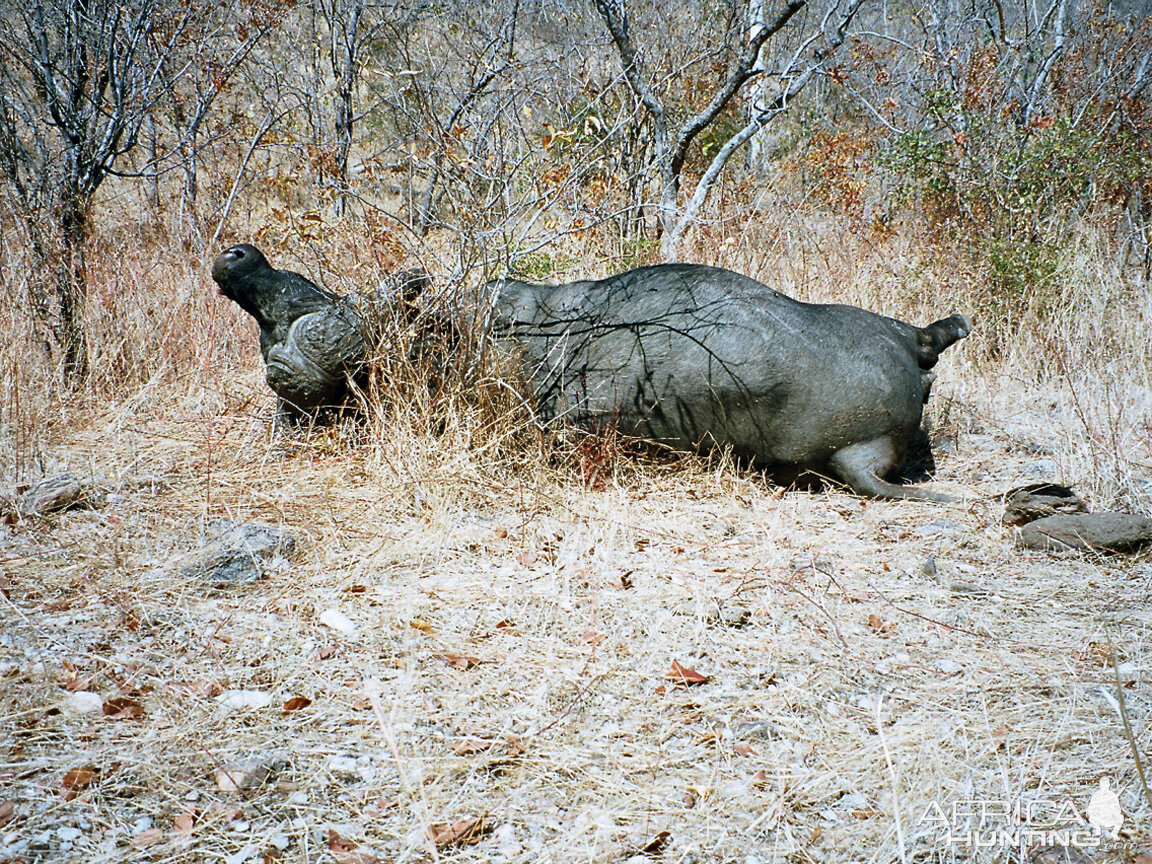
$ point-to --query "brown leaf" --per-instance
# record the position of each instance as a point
(656, 845)
(592, 638)
(77, 780)
(760, 779)
(79, 682)
(183, 824)
(356, 589)
(7, 808)
(147, 838)
(505, 624)
(466, 832)
(325, 652)
(682, 676)
(123, 708)
(460, 661)
(501, 533)
(356, 858)
(201, 689)
(881, 627)
(745, 750)
(527, 559)
(296, 703)
(474, 744)
(422, 626)
(336, 843)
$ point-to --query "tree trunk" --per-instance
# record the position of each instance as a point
(72, 293)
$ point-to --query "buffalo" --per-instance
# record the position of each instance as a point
(313, 342)
(699, 357)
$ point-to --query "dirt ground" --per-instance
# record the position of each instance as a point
(458, 662)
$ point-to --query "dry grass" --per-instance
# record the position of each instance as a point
(515, 616)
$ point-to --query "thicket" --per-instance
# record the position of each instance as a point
(550, 138)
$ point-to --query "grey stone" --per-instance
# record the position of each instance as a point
(1097, 532)
(238, 552)
(1026, 504)
(56, 493)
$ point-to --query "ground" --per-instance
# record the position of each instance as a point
(682, 663)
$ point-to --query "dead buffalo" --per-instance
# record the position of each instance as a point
(698, 357)
(312, 341)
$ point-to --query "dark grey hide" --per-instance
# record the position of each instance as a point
(698, 357)
(312, 341)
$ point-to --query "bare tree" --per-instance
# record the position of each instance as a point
(674, 140)
(79, 79)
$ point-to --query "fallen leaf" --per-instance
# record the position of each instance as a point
(656, 845)
(325, 652)
(501, 533)
(199, 689)
(474, 744)
(356, 589)
(183, 824)
(422, 626)
(745, 750)
(879, 626)
(7, 808)
(466, 832)
(296, 703)
(460, 661)
(865, 813)
(336, 843)
(79, 682)
(760, 779)
(123, 708)
(77, 780)
(527, 559)
(505, 624)
(682, 676)
(231, 779)
(357, 858)
(147, 838)
(592, 638)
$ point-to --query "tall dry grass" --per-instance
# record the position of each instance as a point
(1070, 371)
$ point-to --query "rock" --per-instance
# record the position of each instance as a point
(1026, 504)
(1096, 532)
(56, 493)
(238, 700)
(238, 553)
(251, 774)
(336, 620)
(85, 702)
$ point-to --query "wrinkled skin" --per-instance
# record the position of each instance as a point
(310, 339)
(697, 357)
